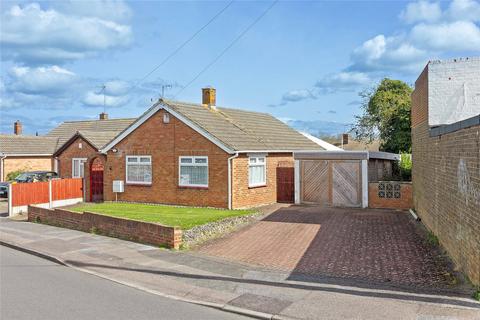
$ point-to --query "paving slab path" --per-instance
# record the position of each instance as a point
(231, 286)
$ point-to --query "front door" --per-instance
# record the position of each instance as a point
(285, 184)
(96, 181)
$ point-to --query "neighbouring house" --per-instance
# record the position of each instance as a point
(346, 142)
(446, 157)
(190, 154)
(19, 152)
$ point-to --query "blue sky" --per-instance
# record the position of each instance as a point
(303, 62)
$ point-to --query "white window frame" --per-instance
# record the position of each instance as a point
(257, 164)
(81, 161)
(147, 183)
(193, 164)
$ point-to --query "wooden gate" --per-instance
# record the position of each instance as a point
(346, 184)
(331, 182)
(96, 180)
(285, 184)
(315, 181)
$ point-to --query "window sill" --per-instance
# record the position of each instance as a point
(257, 186)
(193, 187)
(138, 184)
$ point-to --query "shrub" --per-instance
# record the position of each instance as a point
(12, 175)
(476, 294)
(406, 166)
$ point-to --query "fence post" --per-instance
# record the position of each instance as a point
(50, 202)
(10, 200)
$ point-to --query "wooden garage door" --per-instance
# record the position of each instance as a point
(315, 181)
(346, 184)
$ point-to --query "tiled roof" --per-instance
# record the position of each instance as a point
(242, 130)
(98, 138)
(67, 129)
(33, 145)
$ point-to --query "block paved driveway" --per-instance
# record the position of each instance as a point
(381, 245)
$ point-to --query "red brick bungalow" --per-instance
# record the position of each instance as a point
(189, 154)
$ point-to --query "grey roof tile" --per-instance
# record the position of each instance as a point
(242, 130)
(68, 128)
(20, 144)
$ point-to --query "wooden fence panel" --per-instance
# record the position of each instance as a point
(29, 193)
(67, 189)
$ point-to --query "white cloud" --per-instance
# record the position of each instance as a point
(297, 95)
(115, 10)
(464, 10)
(33, 35)
(96, 99)
(434, 33)
(343, 81)
(41, 80)
(421, 11)
(456, 36)
(383, 54)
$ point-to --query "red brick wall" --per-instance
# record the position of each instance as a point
(244, 196)
(404, 202)
(446, 184)
(74, 151)
(165, 143)
(143, 232)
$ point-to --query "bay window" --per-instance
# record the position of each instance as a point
(139, 169)
(257, 171)
(193, 172)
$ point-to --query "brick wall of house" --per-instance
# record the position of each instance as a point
(78, 149)
(11, 164)
(165, 143)
(151, 233)
(446, 184)
(403, 202)
(243, 195)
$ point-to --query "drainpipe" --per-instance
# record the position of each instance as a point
(229, 160)
(2, 167)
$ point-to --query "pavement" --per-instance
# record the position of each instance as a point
(373, 245)
(233, 286)
(3, 207)
(53, 291)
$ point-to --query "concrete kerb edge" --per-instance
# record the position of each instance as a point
(33, 252)
(218, 306)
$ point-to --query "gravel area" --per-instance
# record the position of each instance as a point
(205, 232)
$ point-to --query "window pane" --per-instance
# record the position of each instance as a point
(256, 175)
(145, 159)
(253, 160)
(261, 160)
(200, 160)
(75, 168)
(194, 175)
(186, 160)
(132, 159)
(139, 173)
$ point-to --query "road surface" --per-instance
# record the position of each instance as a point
(34, 288)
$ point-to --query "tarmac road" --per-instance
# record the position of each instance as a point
(34, 288)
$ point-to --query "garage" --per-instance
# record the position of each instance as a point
(332, 178)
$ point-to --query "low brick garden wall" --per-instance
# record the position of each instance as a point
(390, 195)
(144, 232)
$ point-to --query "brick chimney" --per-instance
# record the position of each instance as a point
(17, 127)
(103, 116)
(209, 97)
(344, 138)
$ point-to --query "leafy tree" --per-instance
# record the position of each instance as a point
(386, 115)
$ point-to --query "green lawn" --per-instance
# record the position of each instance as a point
(184, 217)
